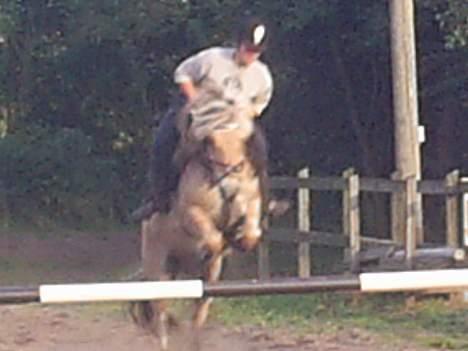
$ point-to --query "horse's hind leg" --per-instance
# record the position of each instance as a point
(212, 274)
(154, 255)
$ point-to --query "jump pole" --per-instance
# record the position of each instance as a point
(185, 289)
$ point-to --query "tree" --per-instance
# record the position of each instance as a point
(105, 69)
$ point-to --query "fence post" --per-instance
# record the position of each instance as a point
(398, 213)
(4, 209)
(351, 219)
(263, 259)
(410, 229)
(346, 174)
(465, 213)
(303, 221)
(451, 209)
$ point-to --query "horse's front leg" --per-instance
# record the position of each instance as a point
(249, 234)
(211, 274)
(198, 223)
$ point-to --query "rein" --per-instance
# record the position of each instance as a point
(210, 165)
(216, 181)
(228, 170)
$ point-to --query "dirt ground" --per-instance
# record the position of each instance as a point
(35, 328)
(81, 257)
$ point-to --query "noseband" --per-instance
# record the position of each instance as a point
(227, 169)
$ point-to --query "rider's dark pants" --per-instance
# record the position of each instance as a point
(164, 175)
(258, 155)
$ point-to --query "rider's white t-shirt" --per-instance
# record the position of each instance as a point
(250, 85)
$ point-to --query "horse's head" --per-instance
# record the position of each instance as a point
(227, 147)
(227, 150)
(226, 136)
(221, 136)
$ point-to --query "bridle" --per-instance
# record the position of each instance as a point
(212, 165)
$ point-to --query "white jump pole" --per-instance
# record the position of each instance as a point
(414, 280)
(137, 291)
(449, 280)
(366, 283)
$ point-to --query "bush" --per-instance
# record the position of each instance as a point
(56, 173)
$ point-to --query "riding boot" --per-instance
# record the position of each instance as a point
(163, 172)
(258, 155)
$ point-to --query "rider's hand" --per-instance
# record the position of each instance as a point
(252, 112)
(189, 90)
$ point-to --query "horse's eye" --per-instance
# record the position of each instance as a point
(208, 141)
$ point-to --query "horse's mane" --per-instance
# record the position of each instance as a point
(213, 112)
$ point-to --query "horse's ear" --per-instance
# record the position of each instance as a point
(208, 142)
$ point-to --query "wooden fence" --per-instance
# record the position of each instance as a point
(351, 186)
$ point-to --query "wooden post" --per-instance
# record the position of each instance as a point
(452, 181)
(398, 213)
(4, 209)
(345, 200)
(345, 208)
(351, 220)
(303, 221)
(465, 215)
(410, 235)
(451, 209)
(263, 260)
(407, 147)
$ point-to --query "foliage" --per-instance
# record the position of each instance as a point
(56, 173)
(452, 16)
(104, 69)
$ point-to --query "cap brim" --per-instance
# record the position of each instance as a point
(254, 48)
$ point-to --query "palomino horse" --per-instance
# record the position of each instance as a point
(218, 206)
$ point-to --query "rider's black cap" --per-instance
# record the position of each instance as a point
(252, 34)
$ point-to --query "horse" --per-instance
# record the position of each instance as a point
(218, 206)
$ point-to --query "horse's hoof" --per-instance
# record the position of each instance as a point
(205, 255)
(173, 322)
(277, 208)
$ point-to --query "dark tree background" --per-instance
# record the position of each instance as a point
(82, 80)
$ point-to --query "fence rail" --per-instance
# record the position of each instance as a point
(378, 185)
(350, 185)
(455, 279)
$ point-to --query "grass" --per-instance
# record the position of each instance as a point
(429, 323)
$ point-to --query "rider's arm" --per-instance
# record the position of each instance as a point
(191, 71)
(263, 97)
(188, 90)
(261, 101)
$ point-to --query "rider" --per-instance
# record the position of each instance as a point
(241, 78)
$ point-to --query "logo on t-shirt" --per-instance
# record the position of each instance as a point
(232, 84)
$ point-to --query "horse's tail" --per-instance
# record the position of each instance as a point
(142, 313)
(145, 315)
